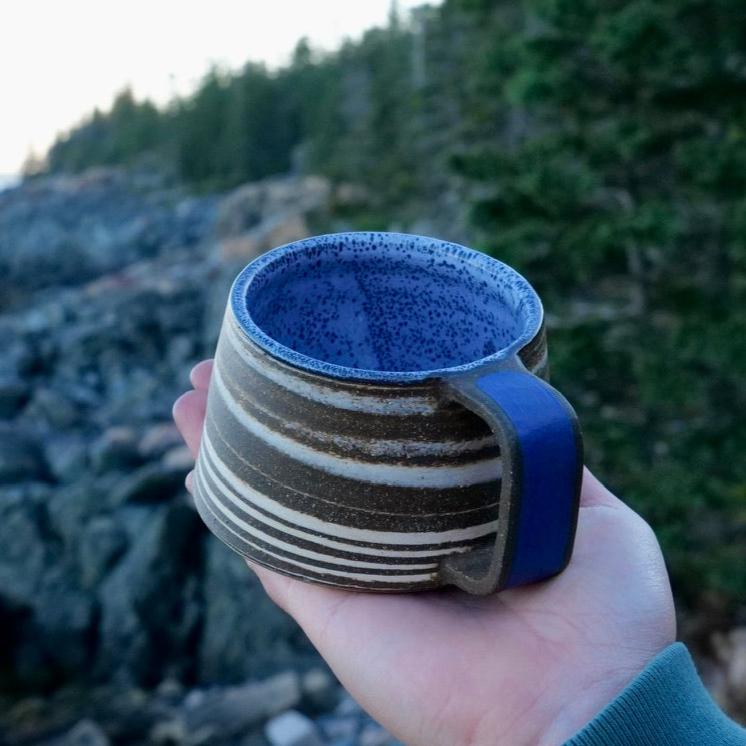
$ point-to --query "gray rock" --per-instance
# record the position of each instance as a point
(67, 229)
(102, 542)
(147, 606)
(47, 617)
(224, 712)
(14, 393)
(244, 633)
(54, 407)
(20, 457)
(247, 206)
(320, 690)
(172, 732)
(374, 735)
(178, 459)
(85, 733)
(18, 359)
(67, 456)
(63, 618)
(292, 729)
(23, 549)
(71, 506)
(158, 439)
(170, 690)
(116, 448)
(348, 706)
(151, 483)
(340, 728)
(108, 294)
(181, 350)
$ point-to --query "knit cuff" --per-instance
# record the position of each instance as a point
(666, 705)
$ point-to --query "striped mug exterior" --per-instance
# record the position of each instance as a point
(377, 420)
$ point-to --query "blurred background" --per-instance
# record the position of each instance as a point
(150, 151)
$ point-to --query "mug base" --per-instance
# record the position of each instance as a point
(315, 576)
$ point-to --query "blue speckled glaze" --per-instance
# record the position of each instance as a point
(386, 307)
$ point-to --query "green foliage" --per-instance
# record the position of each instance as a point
(626, 192)
(128, 130)
(601, 147)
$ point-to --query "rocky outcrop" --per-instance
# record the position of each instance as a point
(113, 596)
(111, 287)
(270, 711)
(269, 213)
(67, 229)
(122, 620)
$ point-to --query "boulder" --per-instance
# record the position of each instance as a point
(373, 734)
(224, 712)
(64, 230)
(340, 729)
(53, 407)
(262, 215)
(106, 572)
(248, 205)
(244, 633)
(63, 619)
(21, 457)
(67, 455)
(159, 438)
(71, 506)
(320, 690)
(178, 459)
(273, 231)
(47, 618)
(292, 729)
(154, 482)
(23, 548)
(148, 600)
(101, 543)
(14, 393)
(84, 733)
(115, 448)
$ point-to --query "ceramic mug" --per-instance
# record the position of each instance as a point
(377, 420)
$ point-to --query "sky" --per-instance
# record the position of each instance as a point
(59, 60)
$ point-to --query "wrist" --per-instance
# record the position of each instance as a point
(591, 689)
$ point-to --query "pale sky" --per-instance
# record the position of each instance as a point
(58, 60)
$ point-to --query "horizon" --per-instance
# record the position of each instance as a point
(229, 37)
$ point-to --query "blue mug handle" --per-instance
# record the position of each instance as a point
(541, 450)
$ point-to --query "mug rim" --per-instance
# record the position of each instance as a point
(532, 311)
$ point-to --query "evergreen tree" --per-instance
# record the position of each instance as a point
(626, 189)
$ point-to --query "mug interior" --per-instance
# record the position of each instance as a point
(384, 305)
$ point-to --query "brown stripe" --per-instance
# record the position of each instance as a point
(287, 568)
(219, 488)
(532, 353)
(349, 502)
(322, 564)
(451, 421)
(366, 447)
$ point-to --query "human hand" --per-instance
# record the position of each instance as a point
(530, 665)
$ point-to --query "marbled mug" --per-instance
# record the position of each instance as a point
(377, 420)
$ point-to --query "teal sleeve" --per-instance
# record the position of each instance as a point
(666, 705)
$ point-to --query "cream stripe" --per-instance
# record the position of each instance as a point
(325, 571)
(342, 532)
(380, 447)
(335, 398)
(302, 551)
(322, 540)
(398, 475)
